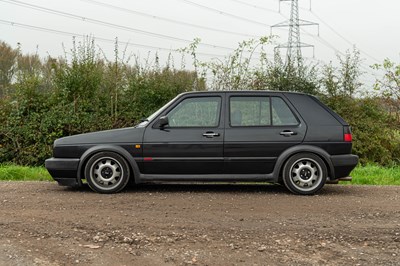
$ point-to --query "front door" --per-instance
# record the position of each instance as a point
(191, 142)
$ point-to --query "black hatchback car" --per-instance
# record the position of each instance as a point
(281, 137)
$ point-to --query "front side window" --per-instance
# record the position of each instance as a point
(260, 111)
(196, 112)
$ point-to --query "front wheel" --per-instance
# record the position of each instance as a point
(304, 173)
(107, 172)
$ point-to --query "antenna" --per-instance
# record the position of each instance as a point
(294, 45)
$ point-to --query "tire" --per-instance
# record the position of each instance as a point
(304, 173)
(107, 172)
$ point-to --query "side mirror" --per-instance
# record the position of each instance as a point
(163, 121)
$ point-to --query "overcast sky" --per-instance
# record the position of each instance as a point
(372, 26)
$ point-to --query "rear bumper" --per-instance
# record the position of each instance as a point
(343, 165)
(64, 171)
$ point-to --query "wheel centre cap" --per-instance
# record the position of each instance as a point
(106, 172)
(305, 173)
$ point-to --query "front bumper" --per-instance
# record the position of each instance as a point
(64, 171)
(343, 165)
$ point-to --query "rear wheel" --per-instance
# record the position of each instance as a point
(304, 173)
(107, 172)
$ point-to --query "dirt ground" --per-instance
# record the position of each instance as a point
(42, 223)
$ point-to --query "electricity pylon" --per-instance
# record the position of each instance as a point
(294, 45)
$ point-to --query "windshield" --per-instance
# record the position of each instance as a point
(147, 120)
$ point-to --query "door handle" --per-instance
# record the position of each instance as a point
(287, 133)
(210, 134)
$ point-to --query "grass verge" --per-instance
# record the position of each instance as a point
(362, 175)
(23, 173)
(375, 175)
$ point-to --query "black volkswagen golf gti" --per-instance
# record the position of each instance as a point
(280, 137)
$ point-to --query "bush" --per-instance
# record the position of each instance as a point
(57, 98)
(374, 140)
(42, 100)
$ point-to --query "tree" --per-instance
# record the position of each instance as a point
(249, 68)
(298, 78)
(389, 86)
(350, 72)
(8, 59)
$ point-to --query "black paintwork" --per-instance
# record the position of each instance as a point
(234, 153)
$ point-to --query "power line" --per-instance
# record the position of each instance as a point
(108, 24)
(261, 8)
(167, 19)
(321, 20)
(69, 15)
(66, 33)
(101, 39)
(320, 39)
(327, 44)
(294, 44)
(225, 13)
(255, 6)
(341, 36)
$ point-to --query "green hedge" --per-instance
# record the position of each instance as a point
(45, 99)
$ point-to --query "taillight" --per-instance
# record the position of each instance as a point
(348, 137)
(347, 134)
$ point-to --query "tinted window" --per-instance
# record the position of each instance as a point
(281, 114)
(256, 111)
(250, 111)
(196, 112)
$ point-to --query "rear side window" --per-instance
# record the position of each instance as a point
(260, 111)
(281, 113)
(250, 111)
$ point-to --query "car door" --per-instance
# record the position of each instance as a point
(191, 142)
(259, 127)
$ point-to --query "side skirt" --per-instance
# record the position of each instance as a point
(209, 178)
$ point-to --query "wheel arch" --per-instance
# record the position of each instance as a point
(108, 148)
(280, 162)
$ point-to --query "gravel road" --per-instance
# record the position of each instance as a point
(42, 223)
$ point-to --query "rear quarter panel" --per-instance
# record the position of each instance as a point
(324, 128)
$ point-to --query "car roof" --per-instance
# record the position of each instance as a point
(243, 92)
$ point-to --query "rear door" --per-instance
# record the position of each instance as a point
(259, 127)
